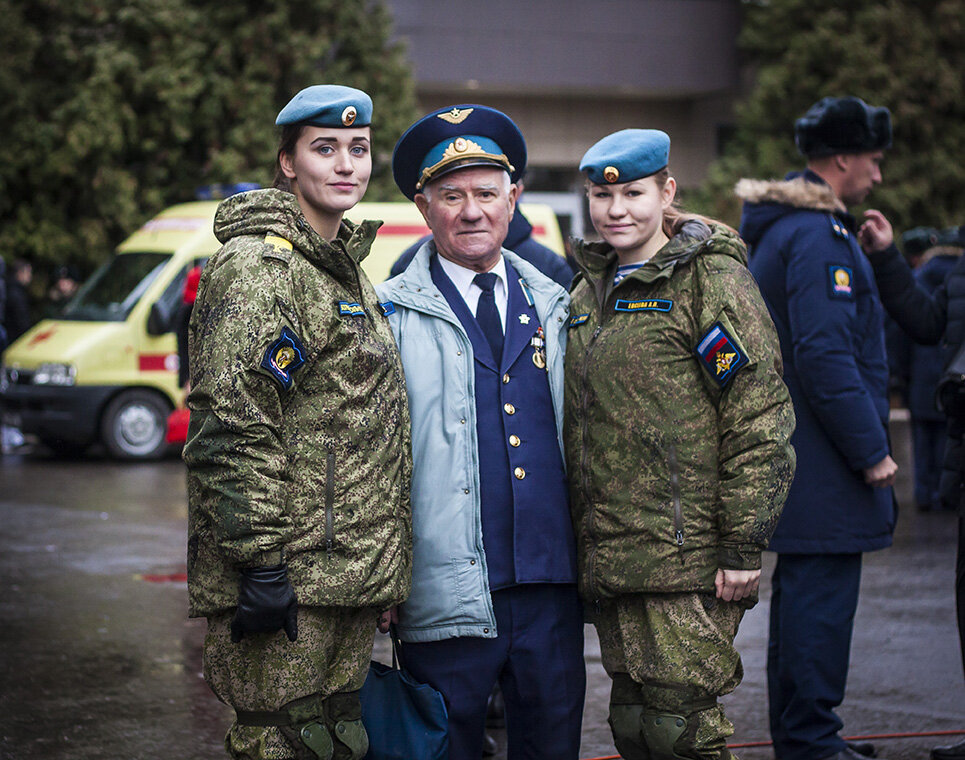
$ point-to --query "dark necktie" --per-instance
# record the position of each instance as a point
(487, 315)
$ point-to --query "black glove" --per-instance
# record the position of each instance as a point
(266, 603)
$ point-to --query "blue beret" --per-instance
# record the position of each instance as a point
(454, 138)
(626, 155)
(328, 105)
(842, 125)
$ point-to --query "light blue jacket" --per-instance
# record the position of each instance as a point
(450, 588)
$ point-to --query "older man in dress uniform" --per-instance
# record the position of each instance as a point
(481, 334)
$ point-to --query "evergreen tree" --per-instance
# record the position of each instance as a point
(906, 55)
(115, 109)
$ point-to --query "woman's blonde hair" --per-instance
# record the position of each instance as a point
(674, 218)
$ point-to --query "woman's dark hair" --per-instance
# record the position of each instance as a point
(286, 144)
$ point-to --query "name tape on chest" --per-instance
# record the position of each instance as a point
(720, 355)
(350, 309)
(840, 282)
(644, 304)
(283, 357)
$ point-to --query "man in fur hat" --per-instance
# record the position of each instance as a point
(821, 293)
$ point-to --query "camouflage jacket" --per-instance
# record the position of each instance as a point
(298, 447)
(677, 422)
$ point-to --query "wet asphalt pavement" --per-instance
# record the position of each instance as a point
(99, 661)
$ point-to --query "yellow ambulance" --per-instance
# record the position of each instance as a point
(106, 369)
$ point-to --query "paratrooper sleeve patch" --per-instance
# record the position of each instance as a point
(283, 357)
(840, 282)
(720, 354)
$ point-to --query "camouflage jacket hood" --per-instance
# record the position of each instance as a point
(679, 462)
(298, 446)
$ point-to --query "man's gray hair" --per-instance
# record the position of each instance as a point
(427, 190)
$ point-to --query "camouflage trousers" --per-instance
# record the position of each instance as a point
(670, 655)
(265, 672)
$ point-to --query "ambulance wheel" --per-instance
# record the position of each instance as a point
(134, 425)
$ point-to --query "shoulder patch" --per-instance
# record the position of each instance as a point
(387, 307)
(277, 248)
(577, 320)
(283, 357)
(350, 309)
(646, 304)
(720, 355)
(838, 228)
(840, 282)
(278, 242)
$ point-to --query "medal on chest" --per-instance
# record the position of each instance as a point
(539, 348)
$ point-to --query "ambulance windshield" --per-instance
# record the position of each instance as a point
(115, 288)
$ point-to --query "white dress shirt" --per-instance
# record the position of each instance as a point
(462, 278)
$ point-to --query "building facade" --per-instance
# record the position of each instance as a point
(571, 71)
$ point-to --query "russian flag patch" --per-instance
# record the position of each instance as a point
(720, 355)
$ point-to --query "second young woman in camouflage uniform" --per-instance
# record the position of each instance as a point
(677, 425)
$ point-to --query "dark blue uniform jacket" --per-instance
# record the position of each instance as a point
(921, 365)
(821, 294)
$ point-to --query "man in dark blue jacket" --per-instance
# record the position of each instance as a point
(928, 318)
(821, 293)
(919, 366)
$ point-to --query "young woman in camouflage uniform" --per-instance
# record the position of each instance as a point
(298, 448)
(677, 428)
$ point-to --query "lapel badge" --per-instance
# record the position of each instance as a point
(524, 319)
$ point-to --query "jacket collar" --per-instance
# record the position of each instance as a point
(415, 289)
(804, 190)
(598, 261)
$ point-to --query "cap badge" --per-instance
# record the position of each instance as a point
(349, 115)
(460, 149)
(456, 115)
(611, 174)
